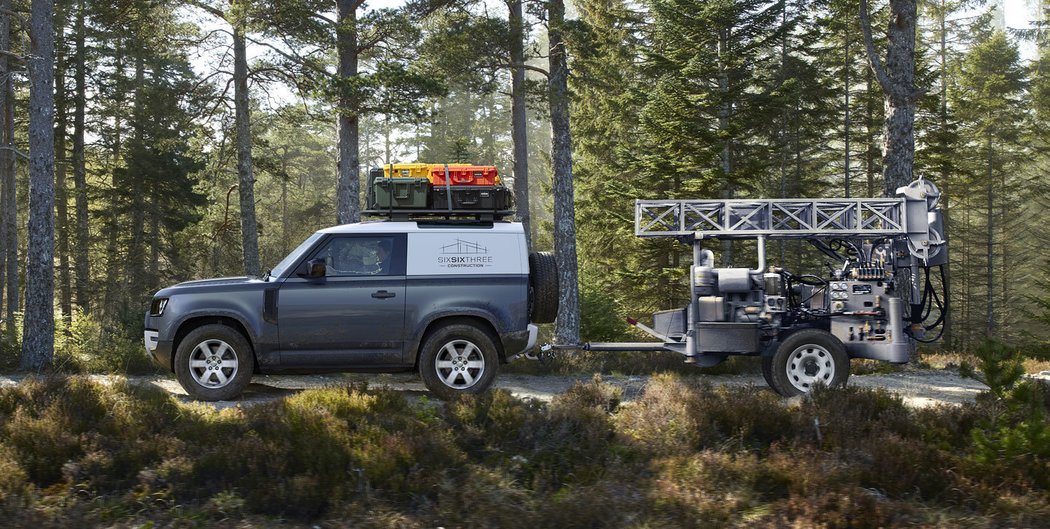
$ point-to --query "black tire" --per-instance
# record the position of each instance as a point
(767, 370)
(457, 359)
(543, 287)
(223, 363)
(806, 358)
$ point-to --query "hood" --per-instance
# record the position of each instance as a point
(219, 284)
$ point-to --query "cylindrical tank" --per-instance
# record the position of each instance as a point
(704, 280)
(774, 284)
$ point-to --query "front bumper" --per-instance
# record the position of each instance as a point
(159, 350)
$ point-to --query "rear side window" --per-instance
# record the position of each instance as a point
(372, 255)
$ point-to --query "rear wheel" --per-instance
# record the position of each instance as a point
(805, 359)
(543, 287)
(214, 362)
(458, 359)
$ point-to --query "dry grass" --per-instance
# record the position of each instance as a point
(955, 360)
(74, 453)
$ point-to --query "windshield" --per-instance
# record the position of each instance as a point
(296, 254)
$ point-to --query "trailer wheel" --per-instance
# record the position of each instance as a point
(767, 370)
(805, 359)
(543, 287)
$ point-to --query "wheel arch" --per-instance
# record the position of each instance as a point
(451, 319)
(196, 322)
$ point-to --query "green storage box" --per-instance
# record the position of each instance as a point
(400, 193)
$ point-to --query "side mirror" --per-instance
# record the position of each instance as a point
(312, 269)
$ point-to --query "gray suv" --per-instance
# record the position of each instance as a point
(453, 300)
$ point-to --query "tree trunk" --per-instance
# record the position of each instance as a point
(945, 172)
(349, 187)
(8, 206)
(990, 190)
(79, 169)
(4, 153)
(249, 228)
(38, 334)
(899, 90)
(112, 227)
(61, 163)
(846, 124)
(869, 140)
(135, 259)
(519, 118)
(153, 276)
(723, 127)
(567, 328)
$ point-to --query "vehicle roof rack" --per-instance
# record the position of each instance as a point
(444, 215)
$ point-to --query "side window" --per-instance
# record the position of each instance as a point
(362, 256)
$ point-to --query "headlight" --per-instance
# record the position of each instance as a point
(157, 307)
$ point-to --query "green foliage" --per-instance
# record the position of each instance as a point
(84, 345)
(1016, 438)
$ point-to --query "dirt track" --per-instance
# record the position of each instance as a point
(918, 387)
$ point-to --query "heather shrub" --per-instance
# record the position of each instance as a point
(75, 453)
(838, 417)
(678, 415)
(484, 497)
(849, 507)
(750, 418)
(13, 481)
(321, 447)
(484, 423)
(710, 488)
(661, 422)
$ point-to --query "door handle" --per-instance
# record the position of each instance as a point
(383, 294)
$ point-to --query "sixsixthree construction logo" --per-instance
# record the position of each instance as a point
(464, 254)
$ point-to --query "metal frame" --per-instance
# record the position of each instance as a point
(774, 219)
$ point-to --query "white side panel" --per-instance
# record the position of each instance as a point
(465, 253)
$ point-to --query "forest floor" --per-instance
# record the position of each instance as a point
(918, 387)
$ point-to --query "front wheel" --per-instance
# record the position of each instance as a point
(458, 359)
(214, 362)
(805, 359)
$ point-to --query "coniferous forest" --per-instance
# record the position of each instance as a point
(202, 139)
(149, 142)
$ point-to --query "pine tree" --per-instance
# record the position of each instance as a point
(38, 335)
(991, 87)
(567, 326)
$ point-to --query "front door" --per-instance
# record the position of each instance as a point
(352, 317)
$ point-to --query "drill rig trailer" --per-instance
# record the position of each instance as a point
(805, 327)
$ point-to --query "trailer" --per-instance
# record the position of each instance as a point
(876, 303)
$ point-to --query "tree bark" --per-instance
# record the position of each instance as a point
(38, 336)
(519, 118)
(135, 259)
(249, 227)
(4, 154)
(723, 127)
(61, 163)
(847, 125)
(567, 327)
(112, 229)
(79, 168)
(990, 190)
(899, 90)
(349, 186)
(945, 172)
(8, 206)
